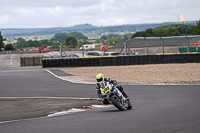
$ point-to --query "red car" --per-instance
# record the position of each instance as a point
(45, 50)
(36, 49)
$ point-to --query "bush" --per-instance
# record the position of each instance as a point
(9, 47)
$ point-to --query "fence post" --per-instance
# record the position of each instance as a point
(162, 44)
(103, 46)
(126, 46)
(60, 49)
(82, 48)
(188, 43)
(146, 44)
(21, 61)
(33, 61)
(23, 64)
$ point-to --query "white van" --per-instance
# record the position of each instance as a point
(88, 47)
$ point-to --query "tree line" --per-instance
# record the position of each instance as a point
(67, 39)
(170, 30)
(163, 31)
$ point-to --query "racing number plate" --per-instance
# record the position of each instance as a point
(105, 90)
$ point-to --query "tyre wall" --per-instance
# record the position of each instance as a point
(121, 60)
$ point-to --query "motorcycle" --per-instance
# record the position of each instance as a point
(114, 96)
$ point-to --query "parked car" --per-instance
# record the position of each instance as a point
(52, 54)
(94, 53)
(36, 49)
(45, 50)
(109, 54)
(77, 55)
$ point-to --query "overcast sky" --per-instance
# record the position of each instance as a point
(67, 13)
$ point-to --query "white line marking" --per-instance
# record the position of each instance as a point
(68, 79)
(72, 110)
(102, 106)
(53, 98)
(2, 57)
(11, 60)
(22, 120)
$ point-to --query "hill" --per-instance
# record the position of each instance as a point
(87, 29)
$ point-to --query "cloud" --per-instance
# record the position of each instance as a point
(65, 13)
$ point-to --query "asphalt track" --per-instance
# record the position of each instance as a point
(156, 108)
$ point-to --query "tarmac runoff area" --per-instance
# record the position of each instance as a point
(32, 107)
(18, 108)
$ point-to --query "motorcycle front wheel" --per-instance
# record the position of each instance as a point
(129, 105)
(117, 104)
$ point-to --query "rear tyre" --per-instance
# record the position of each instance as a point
(116, 104)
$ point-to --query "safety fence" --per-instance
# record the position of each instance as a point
(121, 60)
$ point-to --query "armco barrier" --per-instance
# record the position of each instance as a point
(121, 60)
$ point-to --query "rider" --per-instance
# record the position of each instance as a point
(100, 79)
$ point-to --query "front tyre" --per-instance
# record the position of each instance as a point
(116, 104)
(129, 105)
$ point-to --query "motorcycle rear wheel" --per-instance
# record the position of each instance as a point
(116, 104)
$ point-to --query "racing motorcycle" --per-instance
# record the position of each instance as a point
(114, 96)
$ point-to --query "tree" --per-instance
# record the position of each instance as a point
(196, 29)
(71, 42)
(149, 32)
(103, 37)
(98, 41)
(21, 43)
(9, 47)
(166, 30)
(139, 34)
(78, 35)
(30, 43)
(61, 36)
(1, 41)
(110, 36)
(43, 42)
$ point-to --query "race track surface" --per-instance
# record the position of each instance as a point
(156, 108)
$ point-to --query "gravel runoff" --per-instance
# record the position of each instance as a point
(187, 73)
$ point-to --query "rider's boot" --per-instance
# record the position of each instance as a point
(122, 91)
(125, 95)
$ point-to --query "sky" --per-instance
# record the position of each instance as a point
(67, 13)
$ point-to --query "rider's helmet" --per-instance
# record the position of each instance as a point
(100, 78)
